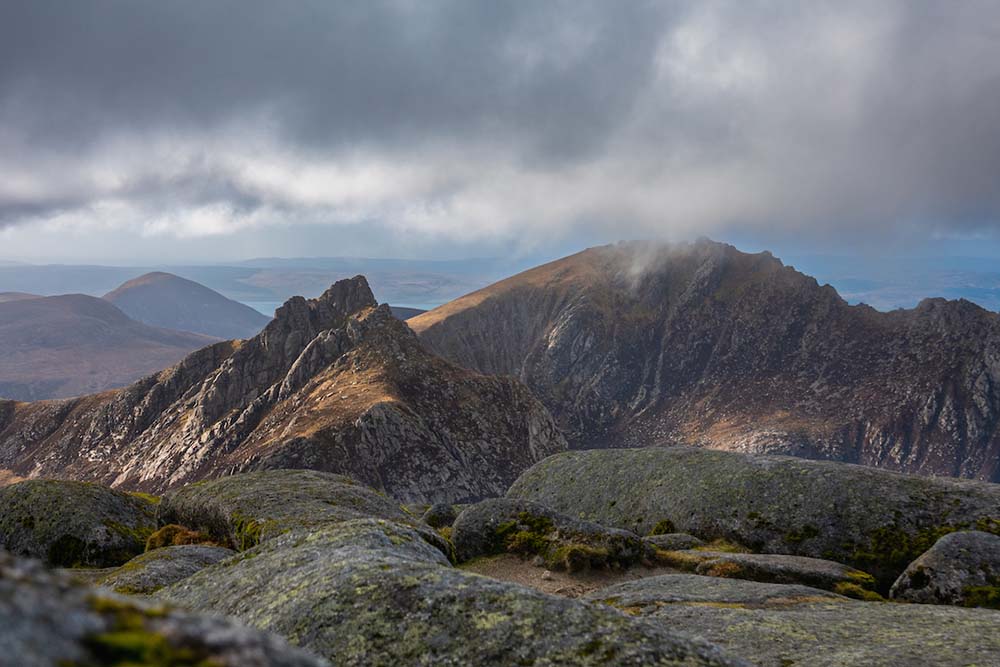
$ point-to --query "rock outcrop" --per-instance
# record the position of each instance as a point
(961, 568)
(641, 344)
(73, 524)
(155, 569)
(372, 592)
(775, 569)
(50, 621)
(244, 510)
(875, 520)
(778, 625)
(502, 525)
(335, 384)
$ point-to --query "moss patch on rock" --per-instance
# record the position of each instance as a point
(74, 524)
(528, 529)
(875, 520)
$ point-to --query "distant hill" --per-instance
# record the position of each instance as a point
(169, 301)
(335, 383)
(60, 346)
(643, 344)
(403, 313)
(16, 296)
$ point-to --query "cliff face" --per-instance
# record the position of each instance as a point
(634, 345)
(335, 384)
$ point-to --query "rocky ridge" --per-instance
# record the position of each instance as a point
(334, 383)
(641, 344)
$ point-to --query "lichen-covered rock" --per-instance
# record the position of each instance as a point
(673, 541)
(375, 593)
(961, 568)
(778, 625)
(73, 524)
(440, 515)
(155, 569)
(50, 621)
(693, 588)
(774, 568)
(502, 525)
(242, 510)
(875, 520)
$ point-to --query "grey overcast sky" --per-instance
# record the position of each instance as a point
(194, 130)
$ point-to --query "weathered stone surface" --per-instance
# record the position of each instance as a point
(243, 510)
(72, 524)
(693, 588)
(503, 525)
(155, 569)
(875, 520)
(673, 541)
(961, 568)
(50, 621)
(776, 625)
(372, 592)
(639, 344)
(334, 383)
(773, 568)
(440, 515)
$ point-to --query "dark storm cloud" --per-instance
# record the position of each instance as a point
(502, 119)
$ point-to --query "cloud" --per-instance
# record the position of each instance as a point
(485, 122)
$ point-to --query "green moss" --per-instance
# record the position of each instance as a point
(175, 535)
(527, 542)
(724, 546)
(981, 596)
(663, 527)
(801, 535)
(148, 497)
(890, 548)
(576, 557)
(130, 642)
(852, 590)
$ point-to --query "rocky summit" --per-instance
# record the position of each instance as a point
(335, 384)
(640, 344)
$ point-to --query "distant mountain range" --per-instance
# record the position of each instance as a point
(643, 344)
(336, 383)
(74, 344)
(165, 300)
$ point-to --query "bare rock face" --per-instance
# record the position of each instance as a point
(961, 568)
(643, 344)
(334, 384)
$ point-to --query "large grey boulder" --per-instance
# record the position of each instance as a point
(155, 569)
(777, 625)
(372, 592)
(502, 525)
(875, 520)
(50, 621)
(774, 568)
(961, 568)
(73, 524)
(245, 509)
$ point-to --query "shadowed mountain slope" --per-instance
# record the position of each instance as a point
(165, 300)
(334, 383)
(644, 344)
(59, 346)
